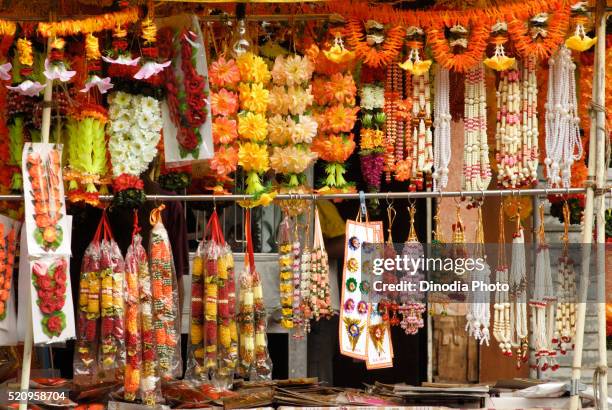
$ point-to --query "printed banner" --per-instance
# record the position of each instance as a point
(355, 289)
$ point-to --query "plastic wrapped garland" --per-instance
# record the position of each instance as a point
(254, 359)
(141, 378)
(213, 352)
(85, 363)
(111, 355)
(101, 310)
(285, 261)
(166, 321)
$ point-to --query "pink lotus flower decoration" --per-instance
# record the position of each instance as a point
(150, 68)
(57, 71)
(103, 84)
(122, 60)
(5, 71)
(28, 88)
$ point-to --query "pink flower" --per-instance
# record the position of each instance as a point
(28, 88)
(150, 68)
(122, 60)
(5, 71)
(103, 84)
(57, 71)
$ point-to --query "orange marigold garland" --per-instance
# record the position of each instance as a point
(389, 42)
(472, 51)
(541, 36)
(336, 114)
(224, 77)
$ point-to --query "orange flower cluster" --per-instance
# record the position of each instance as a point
(107, 21)
(459, 62)
(558, 23)
(334, 148)
(45, 190)
(371, 56)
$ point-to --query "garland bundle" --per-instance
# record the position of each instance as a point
(254, 359)
(141, 376)
(165, 300)
(372, 135)
(8, 248)
(49, 276)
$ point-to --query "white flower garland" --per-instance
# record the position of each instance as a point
(134, 127)
(372, 97)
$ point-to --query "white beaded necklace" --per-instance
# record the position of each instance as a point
(502, 330)
(563, 145)
(518, 287)
(543, 303)
(530, 132)
(422, 152)
(476, 169)
(508, 129)
(442, 120)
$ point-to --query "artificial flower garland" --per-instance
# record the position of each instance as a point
(224, 77)
(336, 113)
(49, 278)
(134, 127)
(371, 56)
(471, 54)
(253, 125)
(8, 248)
(372, 135)
(291, 128)
(102, 22)
(422, 136)
(186, 100)
(543, 43)
(44, 175)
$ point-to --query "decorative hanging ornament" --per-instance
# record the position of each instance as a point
(476, 169)
(542, 303)
(499, 61)
(580, 41)
(422, 136)
(463, 50)
(441, 123)
(377, 47)
(338, 53)
(518, 295)
(563, 143)
(414, 64)
(502, 329)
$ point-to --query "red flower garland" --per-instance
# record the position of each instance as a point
(50, 283)
(188, 112)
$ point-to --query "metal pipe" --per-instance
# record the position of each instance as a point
(369, 195)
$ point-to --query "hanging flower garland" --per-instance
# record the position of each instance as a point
(224, 77)
(500, 61)
(8, 248)
(291, 127)
(372, 135)
(165, 299)
(388, 43)
(580, 41)
(252, 123)
(472, 48)
(186, 100)
(87, 155)
(441, 123)
(422, 136)
(102, 22)
(542, 35)
(336, 113)
(134, 126)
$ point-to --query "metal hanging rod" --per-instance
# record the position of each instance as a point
(369, 195)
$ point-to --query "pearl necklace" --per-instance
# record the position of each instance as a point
(476, 170)
(442, 120)
(563, 145)
(422, 139)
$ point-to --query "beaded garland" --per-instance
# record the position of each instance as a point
(563, 143)
(442, 119)
(476, 170)
(422, 137)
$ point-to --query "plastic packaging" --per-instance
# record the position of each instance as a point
(213, 345)
(141, 376)
(255, 360)
(165, 300)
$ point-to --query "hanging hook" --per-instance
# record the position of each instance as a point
(389, 200)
